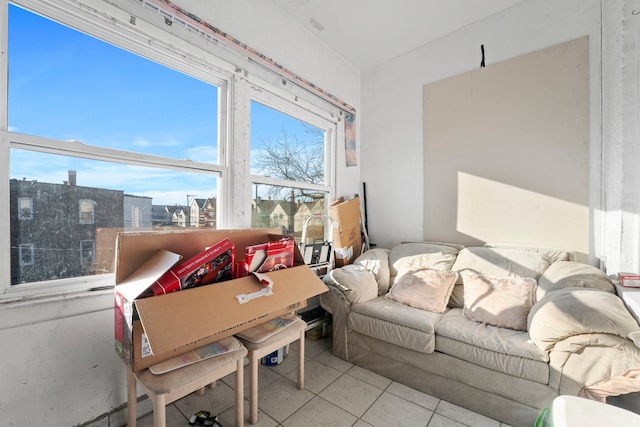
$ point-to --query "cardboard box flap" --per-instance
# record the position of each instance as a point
(180, 318)
(138, 281)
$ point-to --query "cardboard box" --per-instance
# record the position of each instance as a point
(151, 330)
(347, 237)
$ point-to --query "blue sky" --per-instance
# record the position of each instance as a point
(69, 86)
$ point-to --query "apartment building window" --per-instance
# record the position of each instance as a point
(87, 252)
(25, 208)
(106, 133)
(86, 211)
(25, 254)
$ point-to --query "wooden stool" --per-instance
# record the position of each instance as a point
(167, 388)
(258, 348)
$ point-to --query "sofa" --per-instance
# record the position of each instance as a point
(499, 329)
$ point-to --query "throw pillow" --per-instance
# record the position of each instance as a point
(423, 288)
(499, 301)
(377, 261)
(356, 282)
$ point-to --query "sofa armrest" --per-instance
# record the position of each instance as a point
(337, 304)
(575, 311)
(582, 363)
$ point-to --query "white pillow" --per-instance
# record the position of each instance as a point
(499, 301)
(377, 261)
(356, 282)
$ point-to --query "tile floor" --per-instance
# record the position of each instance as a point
(337, 393)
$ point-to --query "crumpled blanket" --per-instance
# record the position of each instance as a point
(628, 382)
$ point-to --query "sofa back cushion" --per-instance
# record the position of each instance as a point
(568, 274)
(496, 262)
(554, 254)
(437, 256)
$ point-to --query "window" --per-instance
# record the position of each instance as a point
(25, 254)
(101, 140)
(25, 208)
(289, 163)
(107, 127)
(86, 211)
(87, 252)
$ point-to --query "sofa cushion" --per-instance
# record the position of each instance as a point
(377, 261)
(430, 255)
(499, 349)
(554, 254)
(396, 323)
(573, 311)
(356, 282)
(423, 288)
(567, 274)
(499, 301)
(496, 262)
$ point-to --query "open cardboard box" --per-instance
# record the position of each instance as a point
(151, 330)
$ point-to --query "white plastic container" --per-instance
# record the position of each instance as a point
(572, 411)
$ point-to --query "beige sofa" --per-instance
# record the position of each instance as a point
(447, 320)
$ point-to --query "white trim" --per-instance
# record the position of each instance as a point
(5, 226)
(92, 152)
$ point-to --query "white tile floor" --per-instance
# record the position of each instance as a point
(337, 393)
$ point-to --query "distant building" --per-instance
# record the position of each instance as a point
(57, 229)
(202, 213)
(166, 216)
(290, 217)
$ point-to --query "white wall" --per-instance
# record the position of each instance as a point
(392, 103)
(65, 371)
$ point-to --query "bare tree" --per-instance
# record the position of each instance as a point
(293, 158)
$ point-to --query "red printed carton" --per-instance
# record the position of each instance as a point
(215, 264)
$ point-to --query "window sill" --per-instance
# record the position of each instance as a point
(38, 310)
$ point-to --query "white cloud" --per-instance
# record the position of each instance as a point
(203, 153)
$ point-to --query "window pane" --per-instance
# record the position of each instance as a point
(66, 85)
(107, 198)
(285, 147)
(289, 208)
(25, 208)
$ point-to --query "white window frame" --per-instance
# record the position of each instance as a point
(309, 114)
(143, 39)
(133, 27)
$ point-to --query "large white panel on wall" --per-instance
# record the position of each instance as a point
(506, 151)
